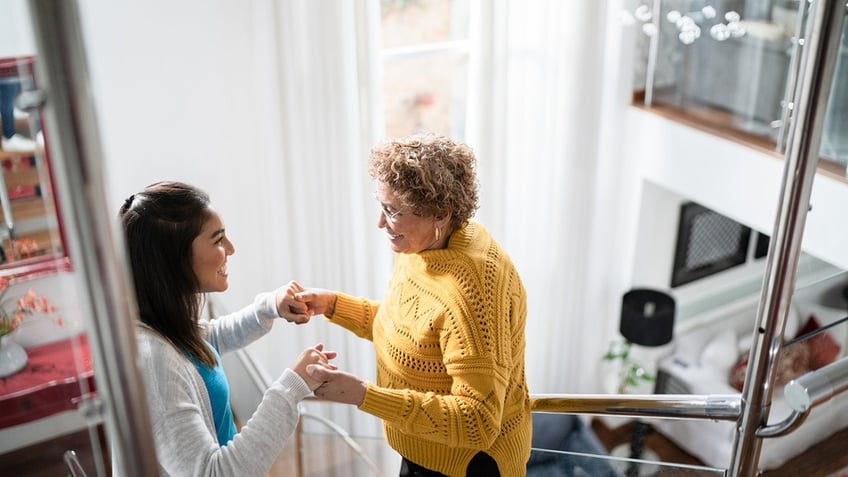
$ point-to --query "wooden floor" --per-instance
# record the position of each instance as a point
(46, 458)
(825, 459)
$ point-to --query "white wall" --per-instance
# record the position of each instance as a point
(679, 164)
(178, 98)
(735, 180)
(738, 181)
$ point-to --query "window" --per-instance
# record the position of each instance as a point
(425, 65)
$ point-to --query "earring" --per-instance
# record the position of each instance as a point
(438, 234)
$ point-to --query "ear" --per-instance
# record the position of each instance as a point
(443, 218)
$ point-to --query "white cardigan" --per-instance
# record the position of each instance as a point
(180, 412)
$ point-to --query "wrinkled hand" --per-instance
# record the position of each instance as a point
(317, 357)
(298, 304)
(337, 386)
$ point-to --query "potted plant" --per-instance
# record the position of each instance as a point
(630, 373)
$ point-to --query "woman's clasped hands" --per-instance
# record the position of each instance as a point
(298, 304)
(313, 357)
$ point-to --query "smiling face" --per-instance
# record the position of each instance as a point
(408, 232)
(209, 252)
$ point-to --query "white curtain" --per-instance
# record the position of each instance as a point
(320, 118)
(556, 190)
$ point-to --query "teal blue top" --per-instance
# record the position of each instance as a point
(219, 395)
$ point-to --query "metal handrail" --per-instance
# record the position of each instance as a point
(75, 469)
(801, 394)
(99, 263)
(824, 27)
(817, 387)
(681, 406)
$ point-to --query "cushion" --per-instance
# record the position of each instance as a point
(823, 348)
(721, 352)
(797, 359)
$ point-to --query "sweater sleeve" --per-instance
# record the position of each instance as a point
(184, 436)
(262, 438)
(238, 329)
(356, 314)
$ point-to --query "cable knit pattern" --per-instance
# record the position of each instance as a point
(449, 338)
(183, 427)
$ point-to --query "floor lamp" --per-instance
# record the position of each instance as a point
(647, 319)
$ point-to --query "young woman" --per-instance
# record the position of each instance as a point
(178, 250)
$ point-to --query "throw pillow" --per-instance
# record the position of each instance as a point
(797, 359)
(794, 361)
(823, 347)
(721, 352)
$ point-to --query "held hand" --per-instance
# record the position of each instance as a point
(297, 304)
(337, 386)
(315, 356)
(288, 308)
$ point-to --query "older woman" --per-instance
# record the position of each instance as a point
(449, 332)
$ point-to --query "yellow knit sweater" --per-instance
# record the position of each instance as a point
(449, 338)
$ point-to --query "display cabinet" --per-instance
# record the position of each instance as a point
(31, 238)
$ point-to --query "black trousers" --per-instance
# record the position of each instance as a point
(482, 465)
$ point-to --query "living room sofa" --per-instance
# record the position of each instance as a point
(706, 356)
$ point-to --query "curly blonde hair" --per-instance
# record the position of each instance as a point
(430, 174)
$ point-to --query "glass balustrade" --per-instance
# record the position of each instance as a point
(322, 449)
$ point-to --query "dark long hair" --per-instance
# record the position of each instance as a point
(160, 223)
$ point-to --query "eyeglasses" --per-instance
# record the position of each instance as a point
(390, 216)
